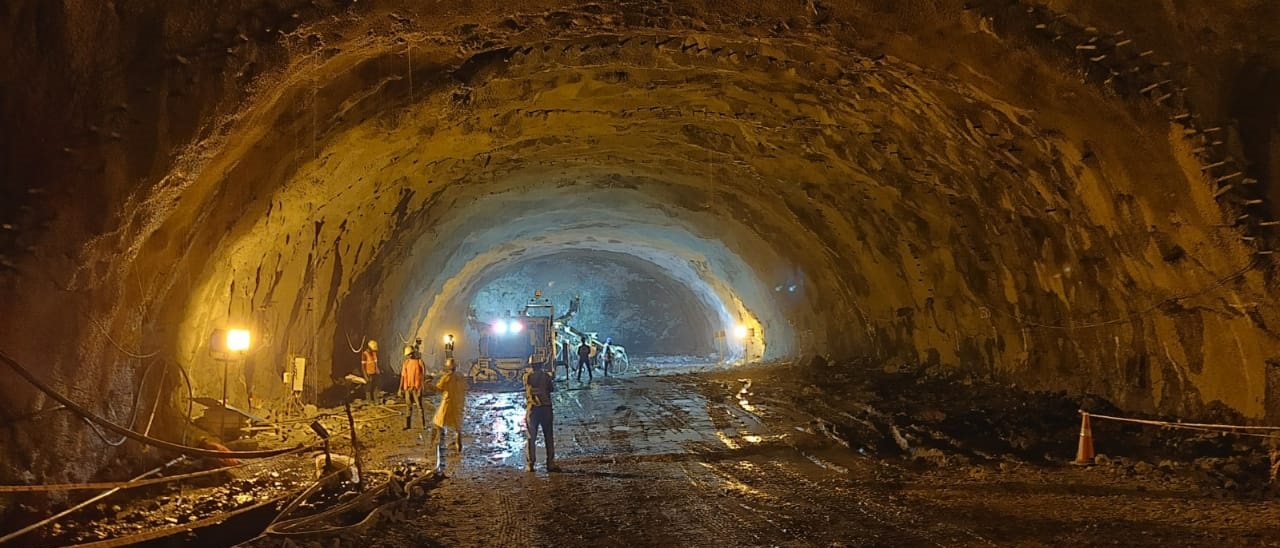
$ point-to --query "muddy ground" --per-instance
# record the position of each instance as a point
(784, 455)
(824, 456)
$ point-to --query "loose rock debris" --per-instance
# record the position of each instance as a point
(785, 455)
(843, 456)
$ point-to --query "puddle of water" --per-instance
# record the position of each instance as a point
(503, 434)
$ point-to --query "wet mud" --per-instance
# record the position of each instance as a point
(763, 457)
(783, 455)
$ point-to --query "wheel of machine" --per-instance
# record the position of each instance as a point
(484, 374)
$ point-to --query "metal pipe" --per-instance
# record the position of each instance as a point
(101, 496)
(355, 447)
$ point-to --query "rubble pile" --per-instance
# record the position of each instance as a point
(941, 419)
(168, 505)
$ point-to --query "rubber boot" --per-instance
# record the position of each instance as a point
(437, 439)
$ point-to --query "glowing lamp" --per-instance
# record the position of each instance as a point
(740, 331)
(237, 340)
(448, 339)
(516, 327)
(500, 327)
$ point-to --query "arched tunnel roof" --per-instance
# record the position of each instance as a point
(320, 170)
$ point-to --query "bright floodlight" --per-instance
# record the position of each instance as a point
(516, 327)
(237, 340)
(740, 331)
(500, 327)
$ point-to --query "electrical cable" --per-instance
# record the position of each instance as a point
(222, 518)
(304, 494)
(141, 483)
(190, 399)
(97, 498)
(32, 415)
(164, 374)
(154, 534)
(133, 415)
(297, 526)
(118, 346)
(154, 442)
(137, 401)
(102, 436)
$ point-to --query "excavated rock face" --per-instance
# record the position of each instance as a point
(1020, 189)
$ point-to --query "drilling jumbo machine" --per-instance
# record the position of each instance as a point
(507, 343)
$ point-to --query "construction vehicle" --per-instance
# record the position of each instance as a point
(508, 343)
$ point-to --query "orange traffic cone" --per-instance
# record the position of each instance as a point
(1084, 454)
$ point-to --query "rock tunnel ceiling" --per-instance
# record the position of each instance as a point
(362, 169)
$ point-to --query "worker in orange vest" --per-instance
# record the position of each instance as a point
(412, 374)
(453, 388)
(369, 370)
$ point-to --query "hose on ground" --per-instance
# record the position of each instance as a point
(154, 442)
(308, 525)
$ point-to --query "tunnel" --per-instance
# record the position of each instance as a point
(1070, 197)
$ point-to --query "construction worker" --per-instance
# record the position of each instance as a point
(412, 374)
(453, 388)
(538, 386)
(369, 370)
(584, 360)
(608, 355)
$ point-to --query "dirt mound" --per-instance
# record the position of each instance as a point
(942, 418)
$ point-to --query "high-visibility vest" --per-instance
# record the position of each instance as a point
(411, 374)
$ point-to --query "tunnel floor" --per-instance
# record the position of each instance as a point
(851, 454)
(710, 459)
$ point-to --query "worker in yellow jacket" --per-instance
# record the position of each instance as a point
(453, 389)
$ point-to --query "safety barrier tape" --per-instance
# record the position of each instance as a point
(1183, 424)
(1202, 427)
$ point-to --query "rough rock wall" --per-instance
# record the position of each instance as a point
(1011, 188)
